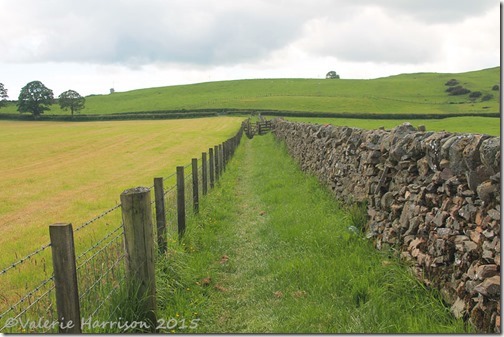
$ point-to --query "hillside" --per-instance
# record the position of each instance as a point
(406, 93)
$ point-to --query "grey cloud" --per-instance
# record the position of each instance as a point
(202, 32)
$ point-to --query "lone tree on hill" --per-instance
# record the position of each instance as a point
(71, 99)
(332, 75)
(3, 95)
(35, 98)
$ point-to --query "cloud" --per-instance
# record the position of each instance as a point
(435, 11)
(221, 32)
(141, 32)
(371, 36)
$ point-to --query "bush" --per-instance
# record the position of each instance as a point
(487, 97)
(458, 90)
(475, 94)
(452, 82)
(496, 87)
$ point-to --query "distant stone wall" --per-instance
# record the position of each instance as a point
(433, 195)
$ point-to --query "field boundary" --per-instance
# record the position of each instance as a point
(198, 113)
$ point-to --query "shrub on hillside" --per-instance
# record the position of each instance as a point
(452, 82)
(475, 94)
(487, 97)
(496, 87)
(458, 90)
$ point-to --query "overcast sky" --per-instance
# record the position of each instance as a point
(94, 45)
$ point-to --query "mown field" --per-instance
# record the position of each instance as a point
(483, 125)
(70, 172)
(408, 93)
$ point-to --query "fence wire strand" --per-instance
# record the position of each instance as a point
(26, 296)
(88, 290)
(98, 243)
(24, 259)
(99, 251)
(96, 218)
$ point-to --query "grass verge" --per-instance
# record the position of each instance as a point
(272, 251)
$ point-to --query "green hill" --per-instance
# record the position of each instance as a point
(407, 93)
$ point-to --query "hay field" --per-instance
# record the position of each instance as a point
(71, 172)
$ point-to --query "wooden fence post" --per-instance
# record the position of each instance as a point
(217, 162)
(222, 165)
(65, 278)
(211, 166)
(139, 246)
(204, 175)
(227, 150)
(160, 215)
(195, 186)
(181, 215)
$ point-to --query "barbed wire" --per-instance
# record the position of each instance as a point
(170, 176)
(87, 223)
(170, 189)
(43, 283)
(26, 258)
(88, 290)
(34, 302)
(99, 251)
(114, 289)
(97, 244)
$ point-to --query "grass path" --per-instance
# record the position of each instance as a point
(271, 251)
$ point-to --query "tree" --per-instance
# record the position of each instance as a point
(332, 75)
(71, 99)
(35, 98)
(3, 95)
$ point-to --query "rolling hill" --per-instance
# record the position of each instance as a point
(419, 93)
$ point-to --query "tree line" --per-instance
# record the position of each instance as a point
(36, 98)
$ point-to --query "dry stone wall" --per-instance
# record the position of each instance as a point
(434, 196)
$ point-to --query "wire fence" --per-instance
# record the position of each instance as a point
(27, 286)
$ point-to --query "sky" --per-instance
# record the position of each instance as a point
(93, 45)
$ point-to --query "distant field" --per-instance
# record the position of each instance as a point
(70, 172)
(409, 93)
(485, 125)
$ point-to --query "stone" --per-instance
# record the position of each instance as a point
(471, 152)
(490, 287)
(494, 214)
(477, 176)
(387, 200)
(490, 153)
(487, 191)
(423, 166)
(458, 309)
(455, 154)
(486, 271)
(470, 246)
(475, 236)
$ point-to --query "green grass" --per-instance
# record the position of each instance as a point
(407, 93)
(271, 251)
(485, 125)
(71, 172)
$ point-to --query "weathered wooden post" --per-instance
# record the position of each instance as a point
(195, 185)
(221, 161)
(181, 215)
(139, 246)
(211, 166)
(217, 163)
(204, 175)
(160, 215)
(65, 278)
